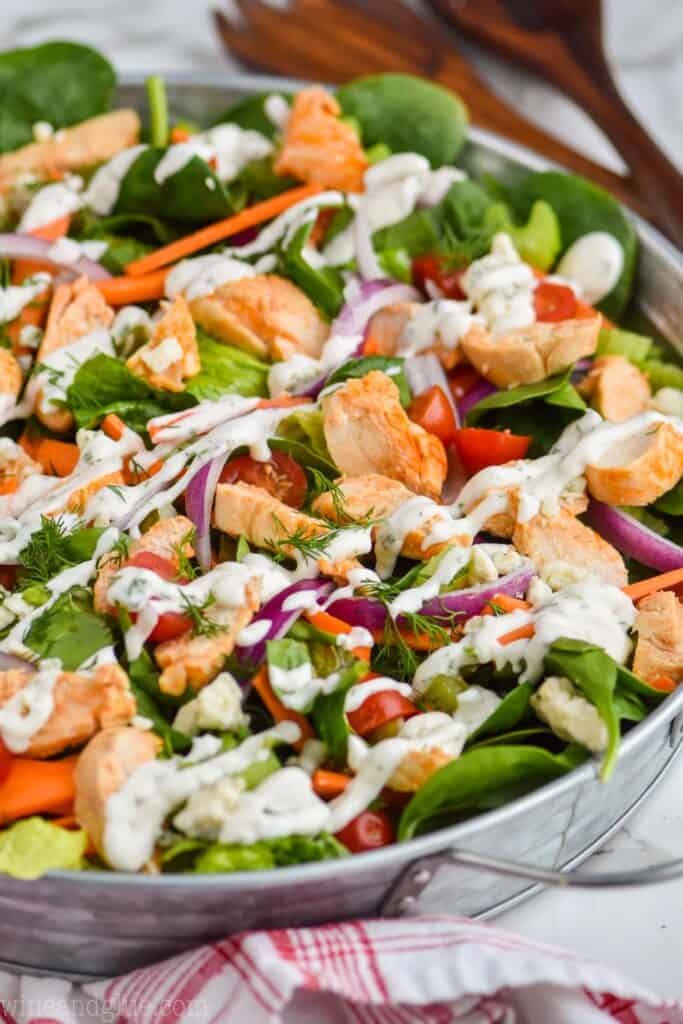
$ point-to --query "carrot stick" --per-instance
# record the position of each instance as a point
(179, 135)
(36, 787)
(113, 426)
(280, 713)
(521, 633)
(327, 623)
(221, 230)
(667, 579)
(505, 603)
(58, 458)
(416, 641)
(329, 784)
(123, 291)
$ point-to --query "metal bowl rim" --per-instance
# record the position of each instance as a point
(400, 853)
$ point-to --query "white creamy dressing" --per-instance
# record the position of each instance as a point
(275, 232)
(55, 373)
(14, 297)
(475, 705)
(202, 275)
(501, 287)
(177, 427)
(254, 632)
(298, 687)
(439, 322)
(67, 250)
(358, 694)
(304, 599)
(159, 357)
(393, 188)
(51, 203)
(358, 636)
(227, 148)
(594, 263)
(277, 110)
(127, 321)
(25, 714)
(135, 814)
(103, 191)
(590, 610)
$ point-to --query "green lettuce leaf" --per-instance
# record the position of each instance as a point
(323, 285)
(306, 427)
(210, 858)
(360, 367)
(32, 847)
(226, 370)
(69, 630)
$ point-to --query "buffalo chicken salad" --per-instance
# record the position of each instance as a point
(335, 507)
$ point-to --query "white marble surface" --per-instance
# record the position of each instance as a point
(639, 930)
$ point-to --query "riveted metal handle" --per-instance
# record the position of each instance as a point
(404, 894)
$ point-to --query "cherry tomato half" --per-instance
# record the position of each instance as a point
(462, 379)
(378, 709)
(169, 626)
(554, 302)
(434, 412)
(5, 762)
(163, 567)
(433, 267)
(8, 576)
(368, 831)
(281, 476)
(479, 448)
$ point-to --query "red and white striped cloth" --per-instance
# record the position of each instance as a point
(431, 970)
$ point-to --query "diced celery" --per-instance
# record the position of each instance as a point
(396, 263)
(663, 375)
(613, 341)
(375, 154)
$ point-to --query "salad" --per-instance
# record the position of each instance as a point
(335, 504)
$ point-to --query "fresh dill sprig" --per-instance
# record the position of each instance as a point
(322, 484)
(120, 549)
(45, 555)
(308, 545)
(202, 625)
(186, 570)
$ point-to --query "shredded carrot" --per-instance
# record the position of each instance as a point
(645, 587)
(36, 787)
(329, 784)
(55, 230)
(113, 426)
(58, 458)
(9, 485)
(179, 135)
(221, 230)
(327, 623)
(371, 346)
(123, 291)
(524, 632)
(416, 641)
(505, 603)
(280, 713)
(664, 683)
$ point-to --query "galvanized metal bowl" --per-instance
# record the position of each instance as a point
(97, 923)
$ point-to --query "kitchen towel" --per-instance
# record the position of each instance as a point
(427, 970)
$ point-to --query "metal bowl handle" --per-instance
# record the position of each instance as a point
(404, 894)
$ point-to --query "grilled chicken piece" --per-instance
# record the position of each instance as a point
(11, 375)
(107, 762)
(416, 767)
(195, 660)
(166, 538)
(574, 503)
(265, 521)
(320, 149)
(640, 470)
(659, 648)
(368, 431)
(83, 705)
(15, 463)
(387, 328)
(79, 498)
(265, 315)
(528, 354)
(562, 540)
(616, 388)
(71, 149)
(171, 355)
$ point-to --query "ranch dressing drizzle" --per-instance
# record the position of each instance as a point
(254, 632)
(135, 814)
(442, 321)
(202, 275)
(590, 610)
(51, 203)
(103, 190)
(282, 805)
(594, 263)
(28, 710)
(501, 286)
(227, 146)
(15, 297)
(358, 694)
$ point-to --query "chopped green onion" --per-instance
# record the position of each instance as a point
(158, 111)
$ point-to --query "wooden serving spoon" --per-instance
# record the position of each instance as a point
(336, 40)
(561, 40)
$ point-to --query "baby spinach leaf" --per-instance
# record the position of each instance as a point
(537, 734)
(628, 682)
(581, 208)
(503, 399)
(329, 718)
(671, 503)
(364, 365)
(105, 385)
(251, 114)
(69, 630)
(513, 708)
(193, 194)
(594, 673)
(323, 285)
(61, 83)
(408, 114)
(226, 370)
(629, 707)
(480, 780)
(304, 455)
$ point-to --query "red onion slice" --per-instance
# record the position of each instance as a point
(365, 611)
(199, 498)
(26, 247)
(280, 619)
(634, 539)
(476, 394)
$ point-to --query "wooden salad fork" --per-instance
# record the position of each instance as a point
(562, 41)
(336, 40)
